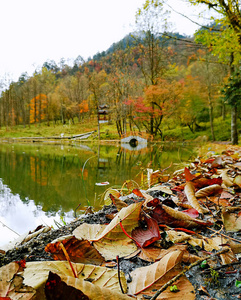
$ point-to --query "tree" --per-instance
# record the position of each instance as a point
(228, 44)
(98, 87)
(38, 106)
(232, 96)
(151, 20)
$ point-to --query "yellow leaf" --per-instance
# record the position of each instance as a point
(110, 240)
(147, 280)
(36, 274)
(189, 190)
(89, 290)
(208, 190)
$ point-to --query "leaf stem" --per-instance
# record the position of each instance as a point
(123, 229)
(68, 259)
(118, 272)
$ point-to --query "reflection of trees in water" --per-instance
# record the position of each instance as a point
(54, 180)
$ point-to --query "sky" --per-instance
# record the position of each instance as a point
(34, 31)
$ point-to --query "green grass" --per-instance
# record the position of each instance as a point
(171, 131)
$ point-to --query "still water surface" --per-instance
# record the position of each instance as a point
(44, 184)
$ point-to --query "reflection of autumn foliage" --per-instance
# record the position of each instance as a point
(37, 171)
(85, 173)
(38, 106)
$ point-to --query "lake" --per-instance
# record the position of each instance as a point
(50, 184)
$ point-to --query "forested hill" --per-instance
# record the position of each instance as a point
(150, 83)
(131, 40)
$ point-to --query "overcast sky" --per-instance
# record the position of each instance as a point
(34, 31)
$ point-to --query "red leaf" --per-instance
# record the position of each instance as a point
(153, 202)
(202, 182)
(138, 193)
(55, 288)
(147, 236)
(188, 175)
(192, 212)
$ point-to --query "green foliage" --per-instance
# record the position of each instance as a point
(238, 283)
(232, 89)
(174, 288)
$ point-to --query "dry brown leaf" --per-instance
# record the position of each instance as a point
(110, 240)
(153, 254)
(143, 278)
(236, 247)
(36, 274)
(189, 190)
(227, 257)
(64, 286)
(227, 181)
(189, 221)
(146, 280)
(177, 236)
(162, 188)
(231, 221)
(11, 284)
(107, 193)
(117, 202)
(80, 251)
(6, 274)
(237, 180)
(208, 190)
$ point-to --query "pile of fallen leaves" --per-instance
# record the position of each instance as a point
(190, 220)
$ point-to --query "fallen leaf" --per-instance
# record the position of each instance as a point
(237, 180)
(71, 288)
(11, 284)
(80, 251)
(107, 193)
(147, 280)
(117, 202)
(208, 190)
(6, 274)
(162, 188)
(231, 221)
(153, 254)
(168, 216)
(192, 212)
(189, 190)
(227, 181)
(188, 175)
(148, 235)
(36, 275)
(110, 240)
(218, 162)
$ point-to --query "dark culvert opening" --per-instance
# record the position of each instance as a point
(133, 142)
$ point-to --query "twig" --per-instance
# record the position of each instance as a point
(165, 286)
(217, 232)
(68, 259)
(223, 266)
(118, 272)
(224, 235)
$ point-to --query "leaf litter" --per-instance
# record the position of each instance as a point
(178, 239)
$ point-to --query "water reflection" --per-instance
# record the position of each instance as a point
(17, 217)
(38, 183)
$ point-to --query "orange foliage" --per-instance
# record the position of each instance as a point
(38, 106)
(84, 106)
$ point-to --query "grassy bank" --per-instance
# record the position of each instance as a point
(170, 131)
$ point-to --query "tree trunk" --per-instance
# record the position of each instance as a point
(234, 130)
(234, 110)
